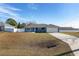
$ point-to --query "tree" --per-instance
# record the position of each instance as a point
(14, 23)
(18, 26)
(11, 22)
(23, 25)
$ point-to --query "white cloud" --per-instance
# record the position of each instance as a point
(14, 8)
(7, 11)
(2, 5)
(71, 23)
(32, 6)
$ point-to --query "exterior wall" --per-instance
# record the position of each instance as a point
(68, 30)
(35, 29)
(29, 30)
(19, 30)
(9, 29)
(1, 28)
(50, 30)
(14, 30)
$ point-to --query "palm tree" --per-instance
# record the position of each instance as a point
(12, 22)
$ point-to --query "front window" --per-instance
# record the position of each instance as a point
(28, 28)
(42, 28)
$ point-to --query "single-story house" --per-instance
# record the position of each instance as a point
(1, 26)
(48, 28)
(41, 28)
(68, 29)
(9, 28)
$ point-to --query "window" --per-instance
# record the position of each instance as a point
(27, 28)
(42, 28)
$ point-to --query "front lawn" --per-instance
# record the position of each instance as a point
(31, 44)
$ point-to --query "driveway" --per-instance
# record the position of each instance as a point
(71, 40)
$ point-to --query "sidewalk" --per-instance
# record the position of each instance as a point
(71, 40)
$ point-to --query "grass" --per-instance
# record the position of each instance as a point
(31, 44)
(73, 33)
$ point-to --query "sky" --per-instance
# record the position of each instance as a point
(61, 14)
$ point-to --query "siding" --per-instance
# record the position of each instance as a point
(20, 30)
(43, 29)
(52, 29)
(9, 29)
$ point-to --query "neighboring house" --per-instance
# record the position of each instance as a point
(68, 29)
(9, 28)
(41, 28)
(1, 26)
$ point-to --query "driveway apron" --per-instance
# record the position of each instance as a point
(71, 40)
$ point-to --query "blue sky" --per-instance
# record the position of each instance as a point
(49, 13)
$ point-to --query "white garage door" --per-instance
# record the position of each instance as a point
(52, 29)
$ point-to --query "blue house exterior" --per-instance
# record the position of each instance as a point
(35, 29)
(40, 28)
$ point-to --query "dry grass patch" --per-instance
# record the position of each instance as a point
(33, 44)
(72, 33)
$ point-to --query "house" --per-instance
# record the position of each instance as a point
(9, 28)
(41, 28)
(48, 28)
(1, 26)
(68, 29)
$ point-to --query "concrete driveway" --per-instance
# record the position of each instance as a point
(71, 40)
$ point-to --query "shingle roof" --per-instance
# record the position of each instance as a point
(36, 25)
(40, 25)
(51, 25)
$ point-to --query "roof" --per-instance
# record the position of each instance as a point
(68, 28)
(51, 25)
(40, 25)
(36, 25)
